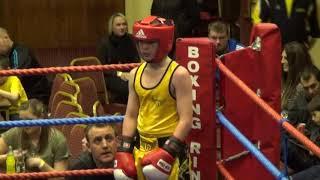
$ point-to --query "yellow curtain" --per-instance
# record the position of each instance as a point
(314, 51)
(136, 10)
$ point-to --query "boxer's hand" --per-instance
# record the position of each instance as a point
(158, 163)
(124, 166)
(124, 162)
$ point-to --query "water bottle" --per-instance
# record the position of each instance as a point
(10, 162)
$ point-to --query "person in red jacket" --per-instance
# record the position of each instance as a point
(159, 107)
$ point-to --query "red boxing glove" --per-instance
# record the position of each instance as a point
(124, 165)
(158, 163)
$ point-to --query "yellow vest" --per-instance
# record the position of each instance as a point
(158, 115)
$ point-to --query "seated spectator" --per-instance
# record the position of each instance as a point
(36, 86)
(300, 157)
(218, 32)
(12, 93)
(117, 47)
(295, 57)
(314, 124)
(310, 82)
(102, 146)
(43, 148)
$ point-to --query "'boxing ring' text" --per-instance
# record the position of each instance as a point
(194, 67)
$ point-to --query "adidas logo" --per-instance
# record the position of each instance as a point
(140, 34)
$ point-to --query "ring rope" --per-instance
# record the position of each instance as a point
(55, 70)
(287, 126)
(44, 175)
(62, 121)
(224, 171)
(248, 145)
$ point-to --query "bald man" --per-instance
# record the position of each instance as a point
(22, 58)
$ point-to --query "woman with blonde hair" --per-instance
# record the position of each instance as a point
(117, 47)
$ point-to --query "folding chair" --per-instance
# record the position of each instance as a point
(97, 77)
(61, 96)
(71, 88)
(64, 108)
(58, 80)
(88, 94)
(97, 109)
(75, 140)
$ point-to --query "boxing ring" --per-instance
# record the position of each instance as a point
(243, 124)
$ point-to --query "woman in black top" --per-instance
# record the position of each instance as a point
(117, 47)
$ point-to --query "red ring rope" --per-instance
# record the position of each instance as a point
(43, 175)
(55, 70)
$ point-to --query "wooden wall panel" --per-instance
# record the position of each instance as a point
(57, 23)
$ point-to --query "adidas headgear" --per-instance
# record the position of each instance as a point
(158, 29)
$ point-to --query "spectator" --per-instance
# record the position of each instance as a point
(297, 159)
(117, 47)
(184, 13)
(102, 146)
(44, 148)
(21, 57)
(295, 57)
(12, 93)
(314, 110)
(310, 82)
(218, 31)
(293, 17)
(301, 157)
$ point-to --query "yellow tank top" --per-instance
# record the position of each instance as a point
(158, 115)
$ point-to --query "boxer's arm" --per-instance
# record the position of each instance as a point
(183, 93)
(130, 119)
(158, 163)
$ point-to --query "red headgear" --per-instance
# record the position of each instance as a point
(162, 32)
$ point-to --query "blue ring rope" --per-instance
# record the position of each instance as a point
(248, 145)
(62, 121)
